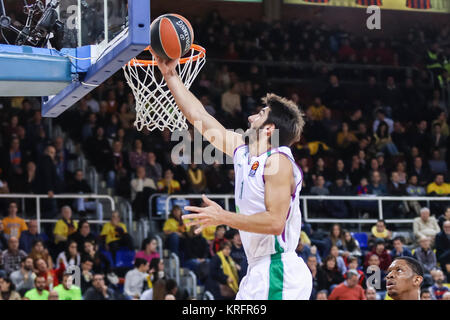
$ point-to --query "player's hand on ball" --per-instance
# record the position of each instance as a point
(167, 67)
(211, 215)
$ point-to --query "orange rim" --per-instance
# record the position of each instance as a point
(201, 53)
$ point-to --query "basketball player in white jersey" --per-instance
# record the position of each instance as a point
(268, 184)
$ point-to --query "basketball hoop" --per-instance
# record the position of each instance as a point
(155, 105)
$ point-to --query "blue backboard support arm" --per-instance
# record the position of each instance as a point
(137, 40)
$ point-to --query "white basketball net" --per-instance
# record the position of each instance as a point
(155, 105)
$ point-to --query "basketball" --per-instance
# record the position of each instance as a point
(171, 36)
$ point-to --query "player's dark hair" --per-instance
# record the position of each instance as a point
(287, 118)
(414, 264)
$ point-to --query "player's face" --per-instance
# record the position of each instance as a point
(401, 279)
(256, 122)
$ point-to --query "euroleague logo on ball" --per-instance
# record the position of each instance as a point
(185, 36)
(171, 36)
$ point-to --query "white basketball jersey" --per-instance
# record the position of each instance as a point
(249, 197)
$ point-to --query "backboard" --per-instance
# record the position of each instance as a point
(108, 35)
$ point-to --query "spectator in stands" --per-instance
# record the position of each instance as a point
(69, 257)
(380, 251)
(442, 245)
(349, 289)
(13, 225)
(66, 290)
(23, 278)
(423, 174)
(28, 237)
(26, 183)
(383, 140)
(328, 275)
(312, 264)
(138, 157)
(98, 149)
(444, 217)
(168, 184)
(425, 294)
(437, 140)
(141, 189)
(381, 117)
(156, 271)
(148, 249)
(135, 279)
(196, 249)
(339, 208)
(50, 275)
(436, 164)
(82, 235)
(64, 228)
(174, 229)
(395, 188)
(319, 188)
(425, 255)
(352, 264)
(38, 251)
(219, 237)
(196, 178)
(47, 181)
(39, 292)
(350, 246)
(62, 158)
(379, 231)
(399, 250)
(414, 190)
(438, 289)
(438, 187)
(376, 187)
(81, 186)
(118, 170)
(335, 238)
(100, 263)
(99, 290)
(11, 257)
(340, 261)
(425, 225)
(115, 235)
(322, 295)
(153, 169)
(86, 274)
(238, 252)
(316, 110)
(371, 293)
(231, 101)
(223, 278)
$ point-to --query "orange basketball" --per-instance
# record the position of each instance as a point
(171, 36)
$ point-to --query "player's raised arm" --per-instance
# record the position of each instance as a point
(278, 190)
(195, 113)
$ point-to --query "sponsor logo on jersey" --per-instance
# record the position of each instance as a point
(253, 169)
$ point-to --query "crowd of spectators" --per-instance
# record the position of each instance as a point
(393, 140)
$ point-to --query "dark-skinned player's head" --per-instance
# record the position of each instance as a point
(278, 114)
(404, 278)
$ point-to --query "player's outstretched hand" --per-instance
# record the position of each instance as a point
(167, 67)
(211, 215)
